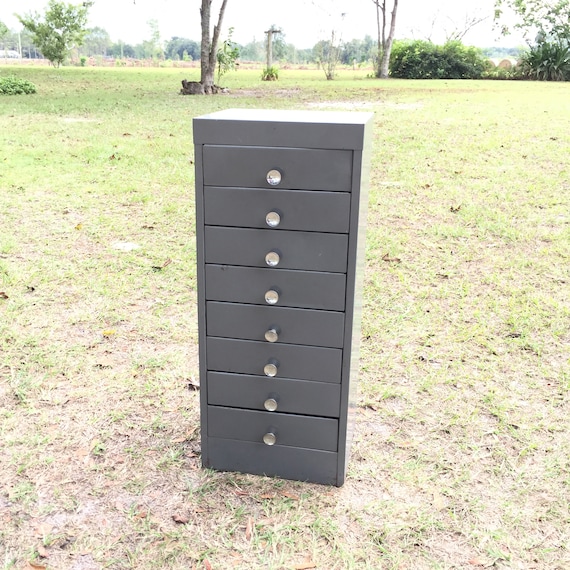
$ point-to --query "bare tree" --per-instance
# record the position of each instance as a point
(209, 47)
(461, 30)
(385, 41)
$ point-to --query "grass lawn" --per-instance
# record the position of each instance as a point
(462, 449)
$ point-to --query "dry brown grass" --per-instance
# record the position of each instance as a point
(461, 456)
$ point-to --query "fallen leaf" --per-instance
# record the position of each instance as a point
(43, 529)
(42, 551)
(104, 362)
(249, 529)
(125, 246)
(439, 501)
(36, 565)
(290, 496)
(304, 566)
(79, 226)
(268, 496)
(181, 519)
(207, 564)
(109, 332)
(193, 384)
(3, 295)
(386, 257)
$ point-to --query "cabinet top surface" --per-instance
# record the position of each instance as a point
(282, 128)
(290, 116)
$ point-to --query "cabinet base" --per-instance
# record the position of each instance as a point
(308, 465)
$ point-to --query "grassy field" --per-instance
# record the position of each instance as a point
(462, 450)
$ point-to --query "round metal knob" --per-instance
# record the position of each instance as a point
(273, 219)
(272, 258)
(272, 335)
(269, 438)
(270, 369)
(271, 297)
(273, 177)
(270, 404)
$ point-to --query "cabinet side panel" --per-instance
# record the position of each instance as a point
(201, 285)
(355, 281)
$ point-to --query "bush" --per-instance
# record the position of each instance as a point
(12, 85)
(498, 72)
(421, 59)
(547, 61)
(270, 74)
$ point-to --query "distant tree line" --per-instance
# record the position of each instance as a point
(97, 43)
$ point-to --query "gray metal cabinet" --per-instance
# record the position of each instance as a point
(280, 223)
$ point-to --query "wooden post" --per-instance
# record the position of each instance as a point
(269, 47)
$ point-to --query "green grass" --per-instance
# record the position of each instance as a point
(461, 456)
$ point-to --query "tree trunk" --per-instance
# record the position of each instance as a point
(209, 47)
(381, 31)
(384, 68)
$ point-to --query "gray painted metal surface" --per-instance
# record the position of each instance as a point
(291, 250)
(298, 209)
(248, 166)
(291, 396)
(292, 360)
(304, 289)
(280, 225)
(290, 430)
(291, 325)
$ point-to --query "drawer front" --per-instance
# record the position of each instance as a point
(303, 289)
(292, 326)
(311, 465)
(287, 250)
(260, 392)
(297, 209)
(289, 430)
(300, 168)
(292, 361)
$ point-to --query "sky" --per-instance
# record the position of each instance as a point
(304, 22)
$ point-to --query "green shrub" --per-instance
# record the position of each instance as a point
(547, 61)
(421, 59)
(270, 74)
(12, 85)
(514, 72)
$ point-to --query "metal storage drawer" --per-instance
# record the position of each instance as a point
(289, 430)
(291, 360)
(303, 289)
(277, 460)
(300, 168)
(290, 250)
(280, 215)
(292, 326)
(290, 396)
(298, 209)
